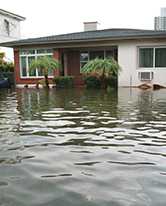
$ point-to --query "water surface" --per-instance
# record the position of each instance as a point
(80, 147)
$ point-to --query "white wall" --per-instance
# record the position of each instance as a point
(128, 60)
(14, 28)
(14, 34)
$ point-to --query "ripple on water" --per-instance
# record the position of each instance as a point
(79, 147)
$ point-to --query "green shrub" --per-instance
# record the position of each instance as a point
(95, 82)
(6, 67)
(64, 81)
(92, 82)
(112, 81)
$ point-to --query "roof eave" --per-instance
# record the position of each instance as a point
(20, 43)
(10, 14)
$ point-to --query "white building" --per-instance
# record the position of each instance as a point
(9, 29)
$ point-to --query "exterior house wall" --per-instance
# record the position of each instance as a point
(9, 34)
(14, 29)
(22, 81)
(128, 60)
(73, 65)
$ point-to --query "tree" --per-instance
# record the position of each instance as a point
(103, 68)
(45, 64)
(5, 66)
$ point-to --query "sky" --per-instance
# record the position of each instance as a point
(51, 17)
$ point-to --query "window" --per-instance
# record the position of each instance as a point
(27, 56)
(112, 53)
(152, 57)
(96, 54)
(84, 58)
(160, 57)
(23, 67)
(7, 26)
(146, 57)
(101, 54)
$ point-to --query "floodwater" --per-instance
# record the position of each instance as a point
(82, 148)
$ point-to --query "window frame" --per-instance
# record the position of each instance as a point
(154, 57)
(36, 55)
(99, 49)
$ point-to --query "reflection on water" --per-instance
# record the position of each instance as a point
(81, 147)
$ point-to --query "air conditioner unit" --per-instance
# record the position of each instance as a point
(145, 76)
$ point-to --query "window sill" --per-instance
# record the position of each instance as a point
(34, 77)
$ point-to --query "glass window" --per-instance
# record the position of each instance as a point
(7, 26)
(26, 57)
(146, 57)
(32, 72)
(82, 64)
(44, 51)
(160, 57)
(96, 54)
(111, 53)
(84, 56)
(26, 52)
(23, 67)
(40, 71)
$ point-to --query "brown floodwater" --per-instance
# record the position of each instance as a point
(82, 147)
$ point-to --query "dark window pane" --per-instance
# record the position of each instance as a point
(82, 64)
(146, 57)
(112, 52)
(96, 54)
(25, 52)
(160, 57)
(40, 71)
(50, 71)
(32, 72)
(84, 56)
(23, 67)
(44, 51)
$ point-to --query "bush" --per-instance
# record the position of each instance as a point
(64, 81)
(95, 82)
(112, 81)
(6, 67)
(92, 82)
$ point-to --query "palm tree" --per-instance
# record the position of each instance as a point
(45, 64)
(103, 68)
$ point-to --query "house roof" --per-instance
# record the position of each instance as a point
(15, 16)
(89, 36)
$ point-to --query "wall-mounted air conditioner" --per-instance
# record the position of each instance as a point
(145, 76)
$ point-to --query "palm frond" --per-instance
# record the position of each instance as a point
(45, 64)
(106, 66)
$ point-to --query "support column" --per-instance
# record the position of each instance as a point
(16, 66)
(65, 64)
(57, 56)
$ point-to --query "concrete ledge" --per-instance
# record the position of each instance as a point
(32, 86)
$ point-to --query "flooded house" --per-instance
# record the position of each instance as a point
(140, 53)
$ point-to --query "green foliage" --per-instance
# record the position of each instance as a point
(112, 81)
(45, 63)
(5, 66)
(92, 82)
(64, 81)
(101, 67)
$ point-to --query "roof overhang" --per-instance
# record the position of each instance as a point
(76, 42)
(10, 14)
